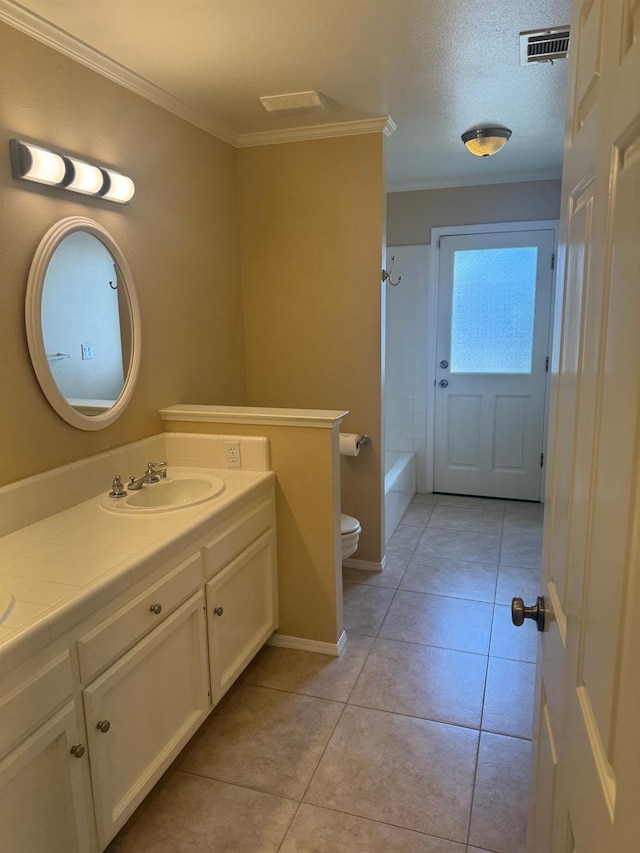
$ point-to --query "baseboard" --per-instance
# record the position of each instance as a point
(304, 645)
(366, 565)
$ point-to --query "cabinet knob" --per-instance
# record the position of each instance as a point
(156, 608)
(78, 750)
(218, 611)
(104, 726)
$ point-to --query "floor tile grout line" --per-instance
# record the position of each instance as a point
(326, 746)
(385, 823)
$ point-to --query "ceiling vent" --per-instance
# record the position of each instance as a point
(299, 103)
(544, 45)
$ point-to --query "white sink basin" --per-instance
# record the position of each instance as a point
(177, 491)
(6, 602)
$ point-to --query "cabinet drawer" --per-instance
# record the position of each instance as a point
(235, 538)
(119, 632)
(23, 709)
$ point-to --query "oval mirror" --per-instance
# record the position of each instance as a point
(83, 323)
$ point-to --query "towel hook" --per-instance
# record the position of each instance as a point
(386, 275)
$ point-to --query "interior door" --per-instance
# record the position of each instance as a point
(586, 771)
(494, 296)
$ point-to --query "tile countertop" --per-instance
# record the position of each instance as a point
(64, 567)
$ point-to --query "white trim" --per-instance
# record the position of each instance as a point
(513, 178)
(365, 565)
(380, 124)
(304, 645)
(38, 28)
(319, 418)
(432, 295)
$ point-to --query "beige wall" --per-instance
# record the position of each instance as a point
(179, 235)
(311, 219)
(412, 215)
(307, 502)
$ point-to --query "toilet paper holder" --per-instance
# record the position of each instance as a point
(364, 440)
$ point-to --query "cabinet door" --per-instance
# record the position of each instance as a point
(241, 612)
(142, 711)
(45, 792)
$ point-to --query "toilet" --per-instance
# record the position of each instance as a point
(351, 530)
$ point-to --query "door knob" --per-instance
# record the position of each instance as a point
(443, 383)
(519, 612)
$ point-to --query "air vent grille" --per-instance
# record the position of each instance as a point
(544, 45)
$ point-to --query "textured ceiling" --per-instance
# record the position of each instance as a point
(437, 67)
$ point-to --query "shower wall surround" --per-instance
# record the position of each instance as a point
(405, 393)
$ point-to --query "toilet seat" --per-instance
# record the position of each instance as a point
(350, 529)
(349, 524)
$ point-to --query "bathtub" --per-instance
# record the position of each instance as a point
(399, 487)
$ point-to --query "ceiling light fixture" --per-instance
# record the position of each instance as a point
(485, 141)
(31, 162)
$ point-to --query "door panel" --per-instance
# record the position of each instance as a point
(510, 433)
(588, 672)
(463, 445)
(494, 294)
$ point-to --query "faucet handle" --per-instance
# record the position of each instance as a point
(151, 466)
(117, 489)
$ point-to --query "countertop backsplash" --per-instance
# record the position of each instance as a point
(28, 501)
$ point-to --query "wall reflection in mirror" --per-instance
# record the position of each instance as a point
(86, 323)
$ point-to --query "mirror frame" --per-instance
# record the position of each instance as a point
(33, 321)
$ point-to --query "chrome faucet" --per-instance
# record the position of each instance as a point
(155, 471)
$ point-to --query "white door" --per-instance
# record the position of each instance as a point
(586, 776)
(494, 296)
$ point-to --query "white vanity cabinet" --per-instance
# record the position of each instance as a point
(143, 710)
(45, 794)
(90, 722)
(241, 612)
(45, 790)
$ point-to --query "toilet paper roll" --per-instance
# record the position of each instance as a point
(349, 443)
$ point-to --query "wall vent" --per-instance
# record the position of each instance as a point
(544, 45)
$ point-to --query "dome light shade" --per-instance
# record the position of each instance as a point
(485, 141)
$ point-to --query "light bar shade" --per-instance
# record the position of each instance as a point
(121, 188)
(485, 141)
(31, 162)
(86, 178)
(42, 166)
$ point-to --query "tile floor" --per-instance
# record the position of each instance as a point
(416, 739)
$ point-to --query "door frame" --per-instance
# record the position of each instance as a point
(432, 319)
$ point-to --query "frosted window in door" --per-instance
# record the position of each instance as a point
(492, 312)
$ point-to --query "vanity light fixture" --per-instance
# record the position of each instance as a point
(31, 162)
(485, 141)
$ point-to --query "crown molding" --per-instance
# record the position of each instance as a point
(38, 28)
(379, 124)
(34, 25)
(513, 178)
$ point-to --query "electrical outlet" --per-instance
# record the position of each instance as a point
(233, 454)
(87, 351)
